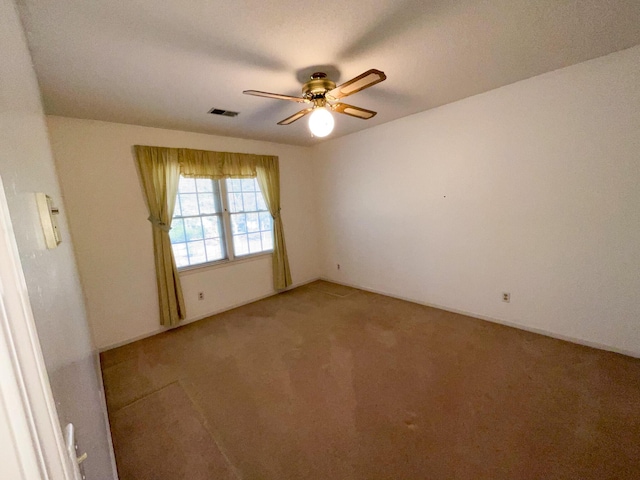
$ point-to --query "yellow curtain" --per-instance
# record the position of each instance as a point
(160, 170)
(268, 173)
(160, 173)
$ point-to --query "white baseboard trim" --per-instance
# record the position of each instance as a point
(546, 333)
(201, 317)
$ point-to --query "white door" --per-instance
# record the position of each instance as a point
(31, 441)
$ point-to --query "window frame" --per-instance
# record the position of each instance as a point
(225, 216)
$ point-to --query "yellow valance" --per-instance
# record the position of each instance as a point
(205, 163)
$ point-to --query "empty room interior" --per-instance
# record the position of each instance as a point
(353, 240)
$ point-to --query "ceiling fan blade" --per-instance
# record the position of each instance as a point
(365, 80)
(277, 96)
(295, 116)
(358, 112)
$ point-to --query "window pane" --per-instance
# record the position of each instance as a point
(199, 237)
(235, 202)
(180, 254)
(187, 185)
(261, 203)
(193, 228)
(255, 243)
(248, 185)
(253, 224)
(267, 240)
(207, 203)
(233, 185)
(204, 185)
(214, 250)
(212, 227)
(177, 231)
(249, 202)
(265, 221)
(189, 202)
(196, 252)
(216, 195)
(240, 245)
(238, 223)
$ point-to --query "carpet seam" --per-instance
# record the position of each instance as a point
(136, 400)
(211, 431)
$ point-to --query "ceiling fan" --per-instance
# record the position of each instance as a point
(323, 94)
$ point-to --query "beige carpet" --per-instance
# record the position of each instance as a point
(327, 382)
(164, 437)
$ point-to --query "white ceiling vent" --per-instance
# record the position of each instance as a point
(225, 113)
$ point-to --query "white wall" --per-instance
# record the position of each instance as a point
(26, 167)
(530, 189)
(113, 240)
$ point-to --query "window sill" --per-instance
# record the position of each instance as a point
(222, 263)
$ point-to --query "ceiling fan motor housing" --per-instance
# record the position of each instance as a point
(317, 86)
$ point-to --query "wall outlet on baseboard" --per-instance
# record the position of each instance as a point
(200, 295)
(506, 297)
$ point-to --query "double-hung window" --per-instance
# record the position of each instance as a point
(218, 220)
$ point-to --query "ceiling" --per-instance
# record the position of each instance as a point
(166, 64)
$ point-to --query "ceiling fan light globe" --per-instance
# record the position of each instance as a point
(321, 122)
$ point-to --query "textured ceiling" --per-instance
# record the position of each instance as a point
(165, 64)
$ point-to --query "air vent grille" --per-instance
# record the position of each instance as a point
(224, 113)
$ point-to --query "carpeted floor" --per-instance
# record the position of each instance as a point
(328, 382)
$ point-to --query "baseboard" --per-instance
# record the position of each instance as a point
(201, 317)
(546, 333)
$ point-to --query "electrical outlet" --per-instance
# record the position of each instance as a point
(506, 297)
(200, 295)
(338, 265)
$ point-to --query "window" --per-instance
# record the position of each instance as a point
(250, 219)
(219, 220)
